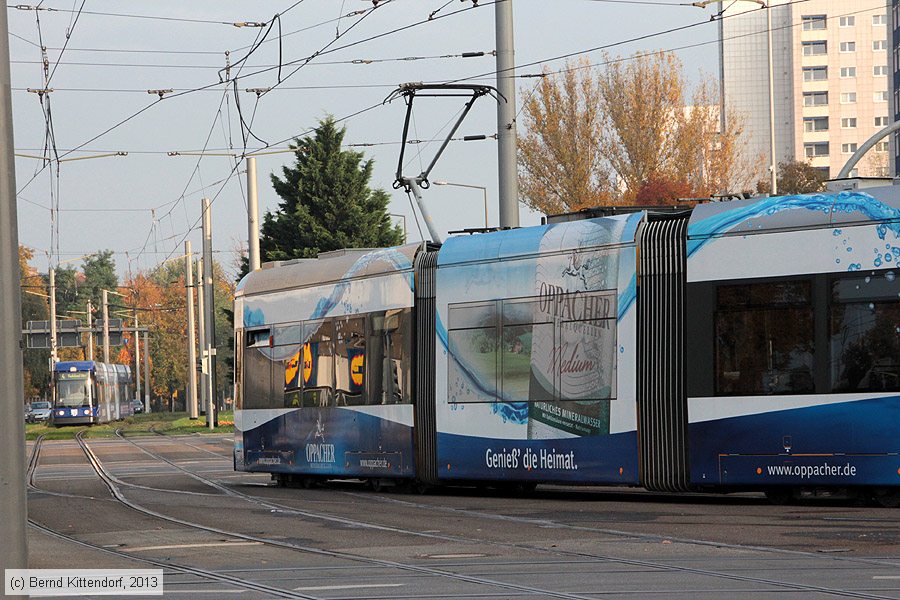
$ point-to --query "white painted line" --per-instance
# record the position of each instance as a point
(348, 587)
(886, 577)
(175, 546)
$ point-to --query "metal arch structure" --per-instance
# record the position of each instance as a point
(867, 145)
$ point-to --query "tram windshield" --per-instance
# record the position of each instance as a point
(73, 389)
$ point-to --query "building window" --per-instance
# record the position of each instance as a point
(881, 121)
(815, 124)
(879, 45)
(848, 98)
(813, 22)
(879, 19)
(849, 21)
(880, 96)
(882, 146)
(817, 48)
(848, 123)
(879, 70)
(815, 73)
(848, 148)
(815, 98)
(848, 72)
(848, 47)
(816, 149)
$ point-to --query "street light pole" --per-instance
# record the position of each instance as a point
(475, 187)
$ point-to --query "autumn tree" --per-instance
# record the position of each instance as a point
(795, 177)
(590, 140)
(562, 168)
(160, 294)
(326, 202)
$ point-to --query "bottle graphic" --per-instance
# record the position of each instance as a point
(573, 368)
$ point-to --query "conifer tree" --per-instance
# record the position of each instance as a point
(326, 203)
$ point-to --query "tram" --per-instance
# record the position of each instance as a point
(742, 345)
(88, 392)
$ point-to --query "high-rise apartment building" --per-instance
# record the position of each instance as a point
(830, 66)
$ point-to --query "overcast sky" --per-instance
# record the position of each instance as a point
(112, 60)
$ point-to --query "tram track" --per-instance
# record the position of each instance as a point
(420, 569)
(267, 503)
(180, 568)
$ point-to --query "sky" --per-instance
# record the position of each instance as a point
(143, 205)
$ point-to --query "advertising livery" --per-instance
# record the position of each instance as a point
(752, 344)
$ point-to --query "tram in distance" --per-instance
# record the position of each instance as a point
(87, 392)
(742, 345)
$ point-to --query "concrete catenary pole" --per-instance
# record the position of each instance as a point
(506, 115)
(13, 546)
(137, 360)
(252, 215)
(774, 163)
(210, 306)
(147, 370)
(106, 326)
(53, 353)
(201, 341)
(191, 341)
(90, 326)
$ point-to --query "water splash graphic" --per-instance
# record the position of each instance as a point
(849, 202)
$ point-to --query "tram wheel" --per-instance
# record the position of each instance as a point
(526, 487)
(418, 487)
(887, 497)
(377, 484)
(307, 482)
(780, 496)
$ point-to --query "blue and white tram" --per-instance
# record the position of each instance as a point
(752, 344)
(88, 392)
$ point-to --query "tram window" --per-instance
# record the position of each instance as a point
(239, 369)
(865, 333)
(291, 333)
(73, 389)
(398, 376)
(259, 338)
(257, 376)
(350, 361)
(527, 345)
(388, 356)
(318, 364)
(764, 339)
(474, 339)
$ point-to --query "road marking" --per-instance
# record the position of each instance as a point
(459, 555)
(348, 587)
(886, 577)
(174, 546)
